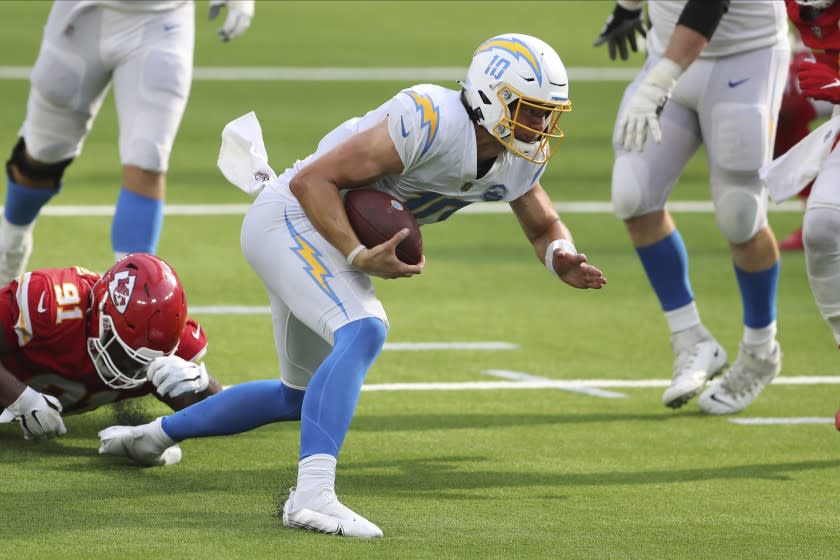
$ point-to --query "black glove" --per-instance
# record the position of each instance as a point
(620, 29)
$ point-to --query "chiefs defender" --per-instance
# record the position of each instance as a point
(72, 341)
(817, 23)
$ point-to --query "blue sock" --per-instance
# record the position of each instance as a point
(235, 410)
(758, 294)
(24, 203)
(333, 393)
(666, 265)
(137, 223)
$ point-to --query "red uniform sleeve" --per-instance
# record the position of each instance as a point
(193, 343)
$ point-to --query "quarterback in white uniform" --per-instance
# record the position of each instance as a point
(434, 149)
(145, 50)
(714, 75)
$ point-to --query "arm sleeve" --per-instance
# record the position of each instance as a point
(703, 16)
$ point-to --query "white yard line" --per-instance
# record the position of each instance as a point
(780, 421)
(581, 207)
(379, 74)
(520, 376)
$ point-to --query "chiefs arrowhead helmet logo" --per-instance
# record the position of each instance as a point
(121, 288)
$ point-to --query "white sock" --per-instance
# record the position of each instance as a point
(316, 473)
(683, 318)
(760, 340)
(12, 234)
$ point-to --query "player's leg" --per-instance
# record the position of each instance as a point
(151, 88)
(641, 184)
(330, 299)
(737, 126)
(67, 86)
(795, 114)
(822, 242)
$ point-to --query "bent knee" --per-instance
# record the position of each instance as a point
(740, 214)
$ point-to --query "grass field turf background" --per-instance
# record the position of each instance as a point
(446, 474)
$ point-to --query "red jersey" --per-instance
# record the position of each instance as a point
(44, 317)
(820, 34)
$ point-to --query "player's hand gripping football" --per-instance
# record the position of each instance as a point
(39, 415)
(819, 81)
(239, 15)
(641, 116)
(173, 376)
(382, 260)
(621, 28)
(573, 269)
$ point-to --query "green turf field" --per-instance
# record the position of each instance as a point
(573, 472)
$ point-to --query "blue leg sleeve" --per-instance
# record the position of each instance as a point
(137, 223)
(235, 410)
(24, 203)
(333, 393)
(666, 265)
(758, 294)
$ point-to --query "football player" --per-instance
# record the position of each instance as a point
(714, 75)
(434, 149)
(145, 50)
(817, 22)
(73, 340)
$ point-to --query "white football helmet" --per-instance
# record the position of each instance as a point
(819, 4)
(511, 72)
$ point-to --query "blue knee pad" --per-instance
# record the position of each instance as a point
(137, 223)
(333, 393)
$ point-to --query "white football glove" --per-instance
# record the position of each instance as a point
(239, 15)
(642, 113)
(173, 376)
(39, 415)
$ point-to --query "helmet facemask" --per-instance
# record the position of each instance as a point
(537, 150)
(118, 364)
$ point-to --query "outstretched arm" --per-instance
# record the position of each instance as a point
(552, 240)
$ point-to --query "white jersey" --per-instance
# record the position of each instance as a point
(436, 142)
(134, 5)
(748, 25)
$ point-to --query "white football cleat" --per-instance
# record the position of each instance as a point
(15, 249)
(699, 357)
(747, 377)
(325, 514)
(147, 444)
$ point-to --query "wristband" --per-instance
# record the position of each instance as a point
(355, 253)
(563, 244)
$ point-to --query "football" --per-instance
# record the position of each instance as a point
(376, 216)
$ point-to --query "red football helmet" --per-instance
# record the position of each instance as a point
(139, 310)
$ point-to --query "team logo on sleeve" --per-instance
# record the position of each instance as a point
(494, 193)
(121, 288)
(429, 117)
